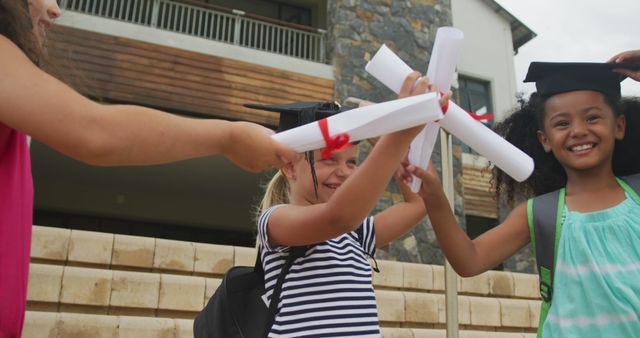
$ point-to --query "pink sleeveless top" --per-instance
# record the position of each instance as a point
(16, 213)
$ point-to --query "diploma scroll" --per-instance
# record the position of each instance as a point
(388, 68)
(421, 149)
(497, 150)
(366, 122)
(444, 57)
(487, 143)
(442, 67)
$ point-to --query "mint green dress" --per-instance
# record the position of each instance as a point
(597, 277)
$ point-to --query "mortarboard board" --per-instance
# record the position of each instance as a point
(559, 77)
(299, 113)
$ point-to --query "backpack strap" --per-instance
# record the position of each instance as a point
(631, 184)
(360, 235)
(294, 253)
(545, 227)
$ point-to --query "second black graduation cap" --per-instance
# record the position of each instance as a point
(299, 113)
(559, 77)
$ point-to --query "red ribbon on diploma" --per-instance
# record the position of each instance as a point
(481, 117)
(476, 117)
(333, 144)
(445, 106)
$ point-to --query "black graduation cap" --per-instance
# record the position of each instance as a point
(559, 77)
(299, 113)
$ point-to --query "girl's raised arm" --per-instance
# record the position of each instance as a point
(294, 225)
(470, 257)
(396, 220)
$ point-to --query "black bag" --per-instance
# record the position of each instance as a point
(236, 309)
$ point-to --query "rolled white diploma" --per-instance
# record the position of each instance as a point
(444, 57)
(421, 149)
(442, 66)
(390, 68)
(366, 122)
(492, 146)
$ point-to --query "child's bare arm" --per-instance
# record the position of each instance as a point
(470, 257)
(353, 201)
(34, 102)
(396, 220)
(299, 225)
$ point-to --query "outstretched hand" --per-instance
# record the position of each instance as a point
(251, 147)
(414, 84)
(445, 98)
(632, 56)
(421, 85)
(430, 180)
(402, 174)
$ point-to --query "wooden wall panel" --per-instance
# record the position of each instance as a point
(478, 192)
(121, 69)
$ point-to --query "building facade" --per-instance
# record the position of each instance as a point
(206, 58)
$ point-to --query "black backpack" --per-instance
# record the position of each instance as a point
(236, 309)
(544, 215)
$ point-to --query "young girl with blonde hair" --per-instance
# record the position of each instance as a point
(322, 204)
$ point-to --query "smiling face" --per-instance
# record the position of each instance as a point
(43, 14)
(331, 174)
(580, 129)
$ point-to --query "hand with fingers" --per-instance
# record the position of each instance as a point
(251, 147)
(430, 180)
(632, 56)
(402, 174)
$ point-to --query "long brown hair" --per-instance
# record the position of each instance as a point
(15, 24)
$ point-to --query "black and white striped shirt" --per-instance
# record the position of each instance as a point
(328, 292)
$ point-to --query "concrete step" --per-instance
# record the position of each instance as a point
(71, 325)
(110, 276)
(101, 250)
(105, 291)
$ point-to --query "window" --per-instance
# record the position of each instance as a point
(474, 95)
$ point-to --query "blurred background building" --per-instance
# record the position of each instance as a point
(206, 58)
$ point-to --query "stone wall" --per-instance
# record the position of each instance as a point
(358, 28)
(356, 31)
